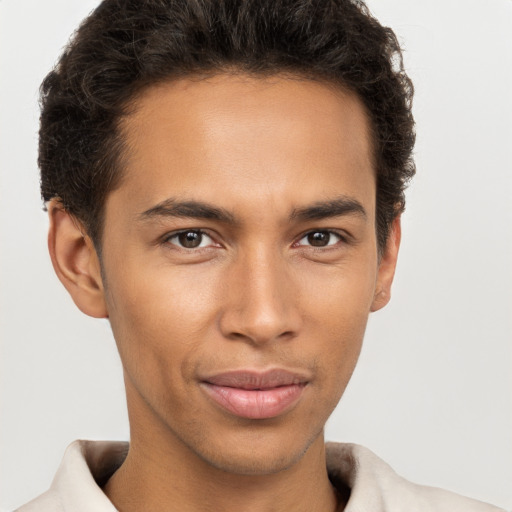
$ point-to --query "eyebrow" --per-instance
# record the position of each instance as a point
(171, 207)
(189, 209)
(337, 207)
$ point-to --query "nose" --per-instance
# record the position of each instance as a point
(261, 300)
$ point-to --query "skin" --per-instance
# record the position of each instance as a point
(256, 294)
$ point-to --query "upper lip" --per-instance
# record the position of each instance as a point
(254, 379)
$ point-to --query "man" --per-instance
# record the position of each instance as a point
(224, 182)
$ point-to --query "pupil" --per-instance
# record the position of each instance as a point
(190, 239)
(318, 238)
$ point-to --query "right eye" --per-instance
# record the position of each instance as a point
(190, 239)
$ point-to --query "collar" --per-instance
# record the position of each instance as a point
(374, 486)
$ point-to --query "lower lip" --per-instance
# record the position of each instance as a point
(255, 404)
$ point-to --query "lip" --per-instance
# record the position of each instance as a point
(255, 394)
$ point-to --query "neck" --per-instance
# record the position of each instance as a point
(162, 474)
(154, 483)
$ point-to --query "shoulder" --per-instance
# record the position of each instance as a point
(375, 486)
(77, 484)
(47, 502)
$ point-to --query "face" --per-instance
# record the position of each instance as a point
(240, 264)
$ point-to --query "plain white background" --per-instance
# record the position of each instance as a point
(433, 391)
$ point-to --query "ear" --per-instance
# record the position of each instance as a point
(75, 261)
(387, 265)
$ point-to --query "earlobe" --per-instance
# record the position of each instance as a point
(387, 266)
(75, 261)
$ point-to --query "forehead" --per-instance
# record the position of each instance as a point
(232, 134)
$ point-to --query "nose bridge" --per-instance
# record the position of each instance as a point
(261, 305)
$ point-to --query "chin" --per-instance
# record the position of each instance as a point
(258, 455)
(252, 463)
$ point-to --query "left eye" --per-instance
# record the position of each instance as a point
(320, 239)
(190, 239)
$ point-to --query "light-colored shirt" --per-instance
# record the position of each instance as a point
(374, 486)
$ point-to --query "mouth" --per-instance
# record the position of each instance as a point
(256, 395)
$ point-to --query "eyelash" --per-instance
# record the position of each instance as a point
(167, 239)
(341, 238)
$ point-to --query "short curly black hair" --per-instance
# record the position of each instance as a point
(124, 46)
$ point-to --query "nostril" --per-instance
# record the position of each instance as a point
(261, 311)
(260, 337)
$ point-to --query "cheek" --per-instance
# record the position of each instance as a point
(338, 306)
(340, 297)
(158, 299)
(159, 317)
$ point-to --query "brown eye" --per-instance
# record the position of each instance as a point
(320, 239)
(191, 239)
